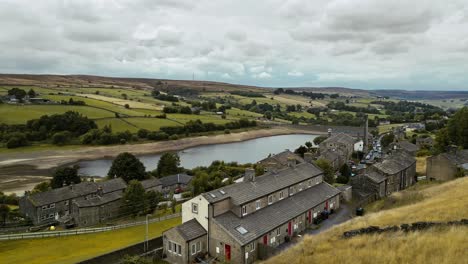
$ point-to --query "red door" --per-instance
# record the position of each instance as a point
(290, 228)
(227, 252)
(265, 239)
(310, 216)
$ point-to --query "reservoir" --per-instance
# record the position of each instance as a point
(249, 151)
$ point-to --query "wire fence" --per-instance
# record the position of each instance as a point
(82, 231)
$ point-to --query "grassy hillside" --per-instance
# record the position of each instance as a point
(444, 202)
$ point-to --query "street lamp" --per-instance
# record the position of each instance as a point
(146, 246)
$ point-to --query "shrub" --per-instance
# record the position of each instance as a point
(227, 131)
(174, 137)
(17, 140)
(61, 138)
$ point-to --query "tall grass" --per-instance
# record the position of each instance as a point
(444, 202)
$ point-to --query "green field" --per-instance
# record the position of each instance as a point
(72, 249)
(20, 114)
(152, 124)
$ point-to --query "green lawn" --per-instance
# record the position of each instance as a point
(242, 113)
(72, 249)
(152, 124)
(302, 114)
(19, 114)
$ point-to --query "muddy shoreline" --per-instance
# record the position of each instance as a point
(20, 171)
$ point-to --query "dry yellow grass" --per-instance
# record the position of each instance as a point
(122, 102)
(421, 165)
(444, 202)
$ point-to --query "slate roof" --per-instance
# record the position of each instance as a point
(375, 176)
(77, 190)
(340, 138)
(458, 157)
(269, 182)
(408, 146)
(329, 155)
(282, 158)
(397, 162)
(272, 216)
(191, 230)
(150, 183)
(99, 200)
(180, 178)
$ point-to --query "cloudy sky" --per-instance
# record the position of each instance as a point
(417, 44)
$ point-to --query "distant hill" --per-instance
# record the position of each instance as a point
(439, 203)
(91, 81)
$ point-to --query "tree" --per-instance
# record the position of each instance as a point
(61, 138)
(152, 199)
(31, 93)
(387, 139)
(16, 140)
(4, 212)
(457, 128)
(168, 164)
(65, 176)
(17, 93)
(345, 174)
(173, 205)
(308, 144)
(328, 170)
(301, 150)
(134, 198)
(128, 167)
(41, 187)
(319, 140)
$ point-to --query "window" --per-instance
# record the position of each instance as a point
(179, 250)
(198, 246)
(300, 186)
(270, 199)
(169, 246)
(244, 210)
(241, 230)
(310, 183)
(66, 203)
(278, 231)
(315, 215)
(194, 208)
(252, 246)
(272, 240)
(51, 215)
(43, 217)
(222, 192)
(44, 207)
(258, 204)
(291, 191)
(194, 249)
(281, 195)
(52, 205)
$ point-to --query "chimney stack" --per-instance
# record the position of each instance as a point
(329, 132)
(249, 175)
(291, 162)
(308, 157)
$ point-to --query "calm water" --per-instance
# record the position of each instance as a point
(243, 152)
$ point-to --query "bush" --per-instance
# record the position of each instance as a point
(227, 131)
(174, 137)
(17, 140)
(61, 138)
(143, 133)
(157, 136)
(423, 152)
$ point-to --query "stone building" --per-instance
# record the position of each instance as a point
(52, 205)
(246, 221)
(407, 146)
(446, 166)
(341, 143)
(185, 242)
(393, 174)
(175, 183)
(280, 160)
(426, 142)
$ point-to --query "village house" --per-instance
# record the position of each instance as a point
(245, 221)
(447, 166)
(397, 172)
(48, 207)
(176, 183)
(340, 142)
(407, 146)
(83, 204)
(280, 160)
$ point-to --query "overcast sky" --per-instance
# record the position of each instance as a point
(410, 44)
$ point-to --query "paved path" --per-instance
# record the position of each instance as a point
(342, 215)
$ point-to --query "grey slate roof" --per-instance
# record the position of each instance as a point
(397, 162)
(408, 146)
(77, 190)
(100, 200)
(458, 157)
(269, 182)
(269, 218)
(375, 176)
(191, 230)
(180, 178)
(329, 155)
(150, 183)
(282, 158)
(340, 138)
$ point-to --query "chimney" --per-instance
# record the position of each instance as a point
(249, 175)
(366, 132)
(329, 132)
(291, 162)
(308, 157)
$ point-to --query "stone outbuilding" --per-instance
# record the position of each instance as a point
(447, 166)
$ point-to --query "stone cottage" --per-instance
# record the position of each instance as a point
(246, 221)
(446, 166)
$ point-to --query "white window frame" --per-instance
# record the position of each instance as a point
(198, 246)
(195, 208)
(281, 195)
(291, 191)
(278, 231)
(244, 210)
(258, 204)
(179, 250)
(51, 216)
(252, 247)
(272, 240)
(193, 249)
(44, 207)
(52, 205)
(300, 186)
(66, 202)
(270, 199)
(309, 183)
